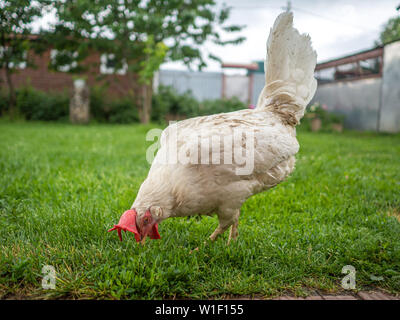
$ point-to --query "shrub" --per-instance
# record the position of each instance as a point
(318, 111)
(99, 110)
(208, 107)
(38, 105)
(33, 104)
(3, 101)
(167, 101)
(103, 109)
(123, 111)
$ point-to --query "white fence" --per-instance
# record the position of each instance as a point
(368, 104)
(203, 85)
(211, 85)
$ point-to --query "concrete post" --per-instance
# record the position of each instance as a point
(389, 120)
(80, 101)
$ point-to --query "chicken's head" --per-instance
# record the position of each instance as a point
(147, 222)
(142, 224)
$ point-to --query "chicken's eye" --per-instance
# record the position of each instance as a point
(146, 221)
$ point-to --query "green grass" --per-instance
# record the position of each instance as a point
(63, 186)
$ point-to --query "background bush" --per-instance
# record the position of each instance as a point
(104, 109)
(167, 101)
(220, 105)
(3, 101)
(318, 111)
(37, 105)
(33, 104)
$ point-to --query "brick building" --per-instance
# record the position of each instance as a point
(100, 72)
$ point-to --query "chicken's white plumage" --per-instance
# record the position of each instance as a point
(289, 68)
(183, 189)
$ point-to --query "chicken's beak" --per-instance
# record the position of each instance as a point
(150, 230)
(148, 226)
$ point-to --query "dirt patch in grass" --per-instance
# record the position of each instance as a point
(394, 212)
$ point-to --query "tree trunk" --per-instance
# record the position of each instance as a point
(12, 99)
(144, 102)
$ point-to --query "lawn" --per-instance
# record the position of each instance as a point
(63, 186)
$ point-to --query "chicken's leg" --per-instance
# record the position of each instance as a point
(218, 231)
(230, 220)
(233, 234)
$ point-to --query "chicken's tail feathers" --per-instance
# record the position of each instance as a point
(289, 69)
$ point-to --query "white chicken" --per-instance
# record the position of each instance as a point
(176, 189)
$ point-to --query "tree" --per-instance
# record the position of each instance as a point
(141, 34)
(16, 17)
(391, 31)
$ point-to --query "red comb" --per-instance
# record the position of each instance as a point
(127, 222)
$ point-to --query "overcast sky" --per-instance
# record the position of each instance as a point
(336, 27)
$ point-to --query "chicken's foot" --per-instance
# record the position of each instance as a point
(217, 232)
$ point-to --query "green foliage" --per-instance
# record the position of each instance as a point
(33, 104)
(4, 103)
(221, 105)
(63, 186)
(155, 54)
(16, 17)
(111, 110)
(123, 111)
(391, 31)
(136, 33)
(54, 106)
(167, 101)
(319, 111)
(139, 31)
(37, 105)
(99, 110)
